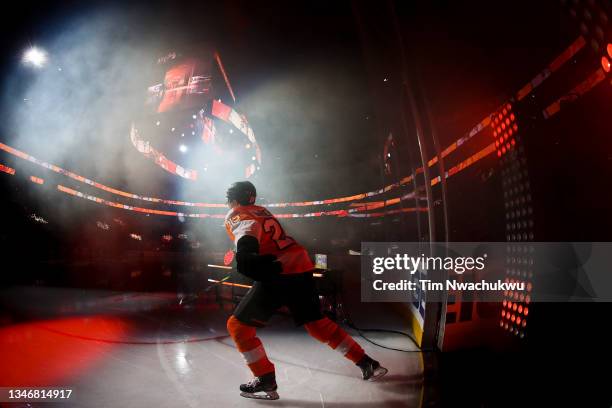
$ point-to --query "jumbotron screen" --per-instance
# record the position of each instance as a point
(182, 82)
(188, 128)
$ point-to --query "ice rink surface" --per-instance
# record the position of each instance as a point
(147, 350)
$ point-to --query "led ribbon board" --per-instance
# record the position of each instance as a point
(229, 115)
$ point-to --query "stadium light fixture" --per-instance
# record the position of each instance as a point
(35, 57)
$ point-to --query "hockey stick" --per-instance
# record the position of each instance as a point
(219, 282)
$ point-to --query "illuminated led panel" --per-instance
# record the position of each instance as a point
(7, 170)
(36, 180)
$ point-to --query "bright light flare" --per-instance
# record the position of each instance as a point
(183, 148)
(35, 57)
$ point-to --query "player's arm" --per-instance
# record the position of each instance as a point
(245, 232)
(253, 265)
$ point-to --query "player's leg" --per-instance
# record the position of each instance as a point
(328, 331)
(250, 346)
(253, 311)
(305, 307)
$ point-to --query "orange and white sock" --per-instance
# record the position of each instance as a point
(250, 346)
(327, 331)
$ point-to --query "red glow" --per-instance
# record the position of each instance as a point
(526, 311)
(499, 153)
(228, 258)
(508, 106)
(504, 152)
(609, 49)
(605, 64)
(512, 117)
(52, 352)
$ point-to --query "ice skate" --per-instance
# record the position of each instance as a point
(371, 369)
(263, 387)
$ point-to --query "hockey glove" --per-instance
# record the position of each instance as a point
(255, 266)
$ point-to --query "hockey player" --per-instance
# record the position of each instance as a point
(282, 271)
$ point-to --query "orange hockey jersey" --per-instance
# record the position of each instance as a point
(258, 222)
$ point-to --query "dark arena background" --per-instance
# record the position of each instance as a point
(124, 123)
